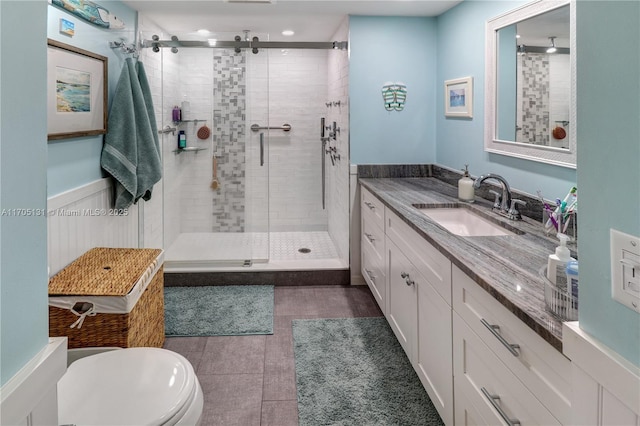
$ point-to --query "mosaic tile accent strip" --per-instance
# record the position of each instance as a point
(229, 123)
(534, 78)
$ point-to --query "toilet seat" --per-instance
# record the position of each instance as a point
(135, 386)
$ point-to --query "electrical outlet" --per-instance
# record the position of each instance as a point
(625, 269)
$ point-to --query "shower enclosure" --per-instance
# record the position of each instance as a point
(245, 190)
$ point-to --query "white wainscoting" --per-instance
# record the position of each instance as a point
(606, 387)
(83, 218)
(30, 397)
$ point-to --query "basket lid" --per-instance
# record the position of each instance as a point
(103, 271)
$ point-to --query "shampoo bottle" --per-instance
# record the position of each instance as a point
(557, 264)
(465, 187)
(182, 140)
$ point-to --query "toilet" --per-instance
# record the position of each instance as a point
(133, 386)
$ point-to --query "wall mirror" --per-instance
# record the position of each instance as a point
(530, 102)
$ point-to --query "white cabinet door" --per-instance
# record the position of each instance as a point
(434, 356)
(403, 302)
(374, 274)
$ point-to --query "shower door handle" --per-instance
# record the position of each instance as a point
(261, 149)
(322, 161)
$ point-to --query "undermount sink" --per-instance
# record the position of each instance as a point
(464, 222)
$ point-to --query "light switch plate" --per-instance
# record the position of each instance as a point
(625, 269)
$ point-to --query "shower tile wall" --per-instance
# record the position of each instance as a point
(152, 236)
(212, 83)
(163, 74)
(297, 94)
(546, 86)
(534, 81)
(229, 97)
(338, 174)
(559, 95)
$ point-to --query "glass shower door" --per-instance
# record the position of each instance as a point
(216, 205)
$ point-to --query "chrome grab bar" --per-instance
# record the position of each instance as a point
(286, 127)
(167, 129)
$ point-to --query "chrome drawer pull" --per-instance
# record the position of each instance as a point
(369, 273)
(492, 399)
(369, 237)
(370, 205)
(407, 278)
(494, 330)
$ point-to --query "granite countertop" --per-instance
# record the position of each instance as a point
(508, 267)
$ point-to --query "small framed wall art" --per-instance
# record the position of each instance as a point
(76, 92)
(458, 97)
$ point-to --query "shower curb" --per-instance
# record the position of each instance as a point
(279, 278)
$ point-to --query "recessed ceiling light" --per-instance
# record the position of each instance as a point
(203, 32)
(288, 33)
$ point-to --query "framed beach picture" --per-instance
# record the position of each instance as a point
(458, 97)
(76, 92)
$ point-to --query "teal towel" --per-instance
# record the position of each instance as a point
(149, 158)
(131, 150)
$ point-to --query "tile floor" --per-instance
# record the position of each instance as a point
(250, 380)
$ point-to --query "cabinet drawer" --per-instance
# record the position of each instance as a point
(373, 271)
(371, 208)
(373, 236)
(482, 377)
(435, 267)
(542, 369)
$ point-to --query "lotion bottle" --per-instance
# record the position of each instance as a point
(557, 263)
(465, 187)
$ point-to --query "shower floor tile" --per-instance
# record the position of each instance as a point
(287, 250)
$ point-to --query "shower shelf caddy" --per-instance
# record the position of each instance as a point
(188, 149)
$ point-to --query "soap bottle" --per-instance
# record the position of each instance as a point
(176, 114)
(557, 264)
(465, 187)
(182, 140)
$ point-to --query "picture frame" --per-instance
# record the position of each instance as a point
(76, 92)
(458, 97)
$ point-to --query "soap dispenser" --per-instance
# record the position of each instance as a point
(465, 187)
(557, 263)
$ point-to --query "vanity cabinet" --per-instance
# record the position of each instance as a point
(495, 351)
(418, 313)
(479, 363)
(372, 257)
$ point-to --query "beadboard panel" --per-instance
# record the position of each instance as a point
(83, 218)
(29, 398)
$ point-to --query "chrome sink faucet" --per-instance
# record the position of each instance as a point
(504, 204)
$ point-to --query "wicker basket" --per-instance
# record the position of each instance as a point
(111, 272)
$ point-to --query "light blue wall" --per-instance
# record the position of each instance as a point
(394, 49)
(75, 162)
(461, 53)
(608, 52)
(23, 160)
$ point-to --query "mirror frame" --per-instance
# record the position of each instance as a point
(551, 155)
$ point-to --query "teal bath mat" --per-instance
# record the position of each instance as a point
(218, 310)
(353, 371)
